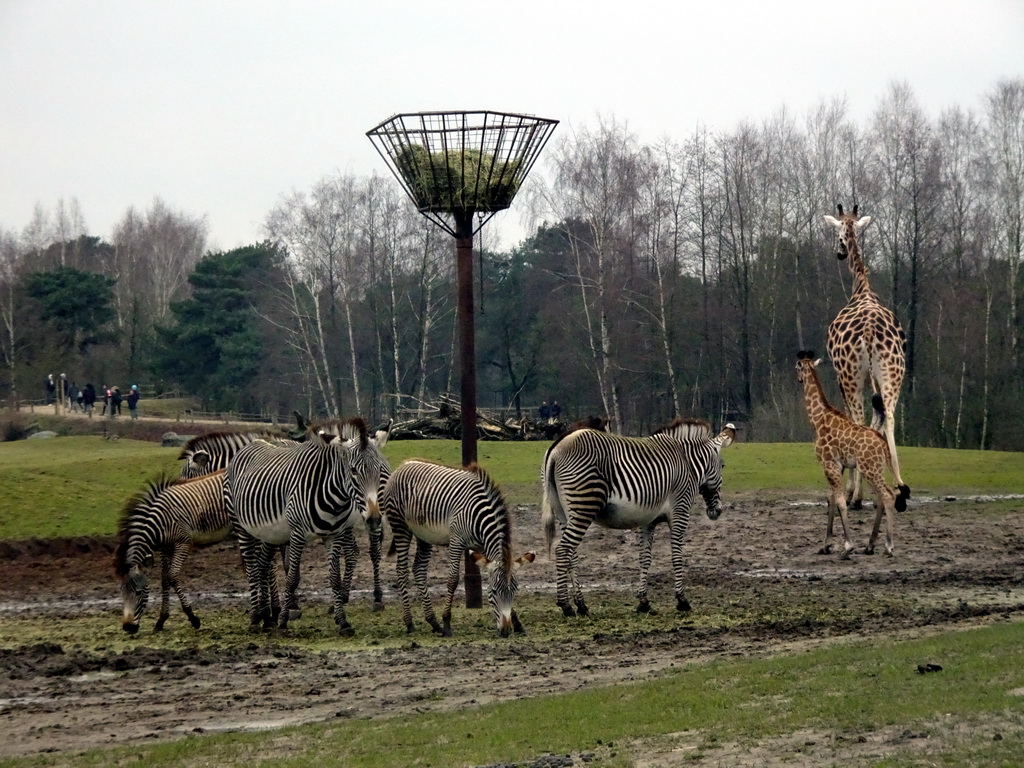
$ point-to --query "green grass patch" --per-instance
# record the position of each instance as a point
(73, 486)
(846, 690)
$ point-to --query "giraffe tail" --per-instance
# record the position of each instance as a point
(901, 498)
(879, 405)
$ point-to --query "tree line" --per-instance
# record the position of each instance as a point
(677, 277)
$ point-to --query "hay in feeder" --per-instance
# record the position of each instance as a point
(466, 179)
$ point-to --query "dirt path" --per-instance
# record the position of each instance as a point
(957, 564)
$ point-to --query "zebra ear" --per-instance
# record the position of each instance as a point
(380, 437)
(523, 559)
(726, 436)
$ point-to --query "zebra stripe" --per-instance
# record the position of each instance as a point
(291, 495)
(370, 471)
(215, 449)
(626, 482)
(464, 510)
(208, 453)
(170, 517)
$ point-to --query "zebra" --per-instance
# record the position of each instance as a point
(371, 471)
(171, 516)
(212, 451)
(460, 508)
(627, 482)
(290, 495)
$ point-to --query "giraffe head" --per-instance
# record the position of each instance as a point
(805, 365)
(848, 227)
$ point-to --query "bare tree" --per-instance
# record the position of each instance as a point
(10, 259)
(1005, 111)
(598, 177)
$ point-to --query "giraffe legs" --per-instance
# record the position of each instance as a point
(836, 501)
(884, 502)
(854, 402)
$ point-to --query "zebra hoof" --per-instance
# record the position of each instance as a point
(645, 607)
(346, 630)
(436, 628)
(867, 551)
(581, 608)
(410, 628)
(378, 606)
(447, 632)
(194, 621)
(159, 626)
(567, 610)
(131, 629)
(683, 605)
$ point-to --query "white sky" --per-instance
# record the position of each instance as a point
(220, 108)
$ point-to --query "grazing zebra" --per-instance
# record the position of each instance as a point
(170, 516)
(460, 508)
(627, 482)
(291, 494)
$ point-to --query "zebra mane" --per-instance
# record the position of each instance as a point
(153, 489)
(201, 442)
(687, 429)
(497, 501)
(350, 429)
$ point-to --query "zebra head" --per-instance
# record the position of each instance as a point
(128, 563)
(196, 464)
(135, 591)
(370, 470)
(502, 586)
(709, 467)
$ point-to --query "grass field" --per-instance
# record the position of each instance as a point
(75, 486)
(708, 712)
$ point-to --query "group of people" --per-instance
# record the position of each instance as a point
(83, 399)
(551, 412)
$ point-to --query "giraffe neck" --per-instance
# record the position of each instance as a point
(814, 398)
(858, 268)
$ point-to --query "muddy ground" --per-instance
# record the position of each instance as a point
(958, 563)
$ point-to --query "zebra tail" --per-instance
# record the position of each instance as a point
(392, 549)
(549, 499)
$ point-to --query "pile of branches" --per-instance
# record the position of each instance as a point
(443, 421)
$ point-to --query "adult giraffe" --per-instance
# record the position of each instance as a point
(866, 343)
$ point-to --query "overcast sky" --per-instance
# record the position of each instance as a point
(220, 108)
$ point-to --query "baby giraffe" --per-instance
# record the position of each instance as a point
(841, 444)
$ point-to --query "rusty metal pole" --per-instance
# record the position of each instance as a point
(467, 363)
